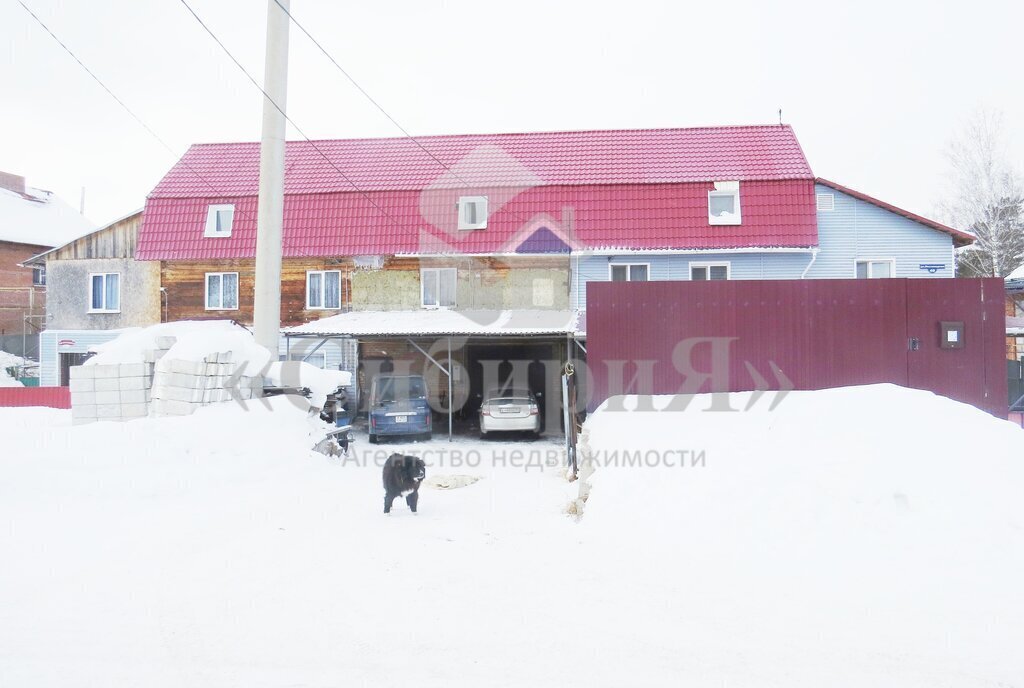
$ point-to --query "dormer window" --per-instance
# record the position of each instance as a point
(472, 212)
(219, 219)
(724, 204)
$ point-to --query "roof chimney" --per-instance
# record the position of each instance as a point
(12, 182)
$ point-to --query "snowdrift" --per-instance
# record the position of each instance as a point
(878, 525)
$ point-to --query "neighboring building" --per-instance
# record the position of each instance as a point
(96, 287)
(508, 229)
(1015, 315)
(31, 220)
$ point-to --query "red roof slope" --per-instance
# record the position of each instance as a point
(644, 189)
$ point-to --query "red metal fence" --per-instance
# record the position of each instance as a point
(817, 333)
(54, 397)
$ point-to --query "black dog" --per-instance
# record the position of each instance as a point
(403, 475)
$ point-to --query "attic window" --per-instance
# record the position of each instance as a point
(472, 212)
(219, 219)
(724, 204)
(826, 201)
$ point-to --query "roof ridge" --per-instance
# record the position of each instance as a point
(546, 132)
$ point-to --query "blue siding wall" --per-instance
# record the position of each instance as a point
(854, 230)
(677, 267)
(858, 229)
(83, 340)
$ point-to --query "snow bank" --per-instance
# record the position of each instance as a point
(860, 537)
(878, 528)
(194, 341)
(301, 374)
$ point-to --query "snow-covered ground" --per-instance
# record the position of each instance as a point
(867, 536)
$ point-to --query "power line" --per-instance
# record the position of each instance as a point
(380, 107)
(96, 78)
(141, 122)
(366, 94)
(285, 115)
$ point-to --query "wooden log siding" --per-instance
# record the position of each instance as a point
(116, 241)
(185, 283)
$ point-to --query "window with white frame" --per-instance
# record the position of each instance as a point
(724, 204)
(317, 358)
(629, 272)
(825, 201)
(437, 287)
(222, 291)
(472, 212)
(875, 268)
(323, 289)
(39, 276)
(105, 292)
(219, 219)
(700, 272)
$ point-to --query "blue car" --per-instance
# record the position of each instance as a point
(399, 407)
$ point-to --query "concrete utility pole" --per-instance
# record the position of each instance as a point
(270, 218)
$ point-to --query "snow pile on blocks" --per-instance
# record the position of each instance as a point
(169, 369)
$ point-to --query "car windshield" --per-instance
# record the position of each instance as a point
(390, 389)
(495, 394)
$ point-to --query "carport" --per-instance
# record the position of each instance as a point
(498, 343)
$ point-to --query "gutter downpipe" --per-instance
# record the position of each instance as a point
(814, 257)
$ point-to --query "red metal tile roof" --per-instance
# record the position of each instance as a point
(643, 189)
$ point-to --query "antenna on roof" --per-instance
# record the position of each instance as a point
(780, 116)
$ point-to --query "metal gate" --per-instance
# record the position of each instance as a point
(813, 334)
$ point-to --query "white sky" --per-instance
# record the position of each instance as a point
(873, 90)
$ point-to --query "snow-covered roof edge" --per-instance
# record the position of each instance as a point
(425, 322)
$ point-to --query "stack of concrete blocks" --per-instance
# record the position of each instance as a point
(165, 386)
(110, 392)
(180, 387)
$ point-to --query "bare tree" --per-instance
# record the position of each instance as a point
(987, 198)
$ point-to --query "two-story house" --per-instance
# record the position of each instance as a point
(392, 245)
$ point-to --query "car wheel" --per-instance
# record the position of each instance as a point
(373, 439)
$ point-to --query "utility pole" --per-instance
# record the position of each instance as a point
(270, 217)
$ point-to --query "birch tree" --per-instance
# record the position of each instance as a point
(986, 198)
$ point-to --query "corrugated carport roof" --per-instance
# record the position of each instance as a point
(425, 323)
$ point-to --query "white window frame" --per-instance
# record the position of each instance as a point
(629, 271)
(711, 264)
(316, 358)
(105, 275)
(721, 190)
(823, 207)
(323, 290)
(480, 202)
(455, 277)
(40, 270)
(211, 220)
(206, 291)
(891, 261)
